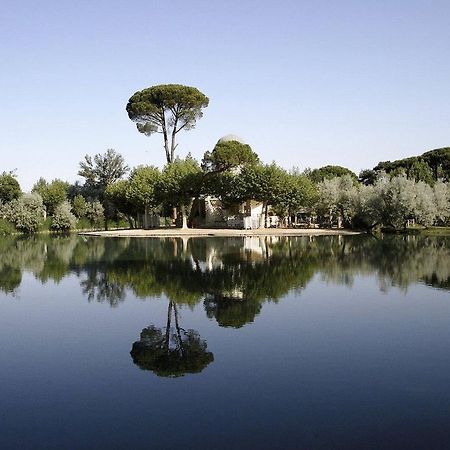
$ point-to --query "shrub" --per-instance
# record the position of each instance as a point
(63, 219)
(6, 227)
(26, 213)
(79, 206)
(95, 212)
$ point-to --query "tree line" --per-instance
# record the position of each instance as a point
(391, 194)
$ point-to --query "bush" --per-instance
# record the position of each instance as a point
(26, 213)
(79, 206)
(6, 227)
(63, 219)
(95, 212)
(46, 225)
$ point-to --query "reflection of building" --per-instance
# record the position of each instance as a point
(242, 248)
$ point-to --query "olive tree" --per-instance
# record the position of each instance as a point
(26, 213)
(95, 212)
(63, 219)
(424, 207)
(338, 197)
(441, 193)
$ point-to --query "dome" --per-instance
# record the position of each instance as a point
(231, 137)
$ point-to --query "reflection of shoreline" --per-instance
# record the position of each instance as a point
(213, 232)
(190, 269)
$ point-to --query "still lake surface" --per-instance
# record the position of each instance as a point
(223, 343)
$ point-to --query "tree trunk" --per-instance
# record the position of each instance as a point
(183, 217)
(169, 317)
(173, 145)
(262, 216)
(130, 221)
(177, 326)
(174, 214)
(166, 139)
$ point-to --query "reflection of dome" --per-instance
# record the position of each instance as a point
(231, 137)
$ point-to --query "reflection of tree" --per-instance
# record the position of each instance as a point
(172, 352)
(10, 279)
(235, 275)
(231, 312)
(100, 287)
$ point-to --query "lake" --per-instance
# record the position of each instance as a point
(225, 343)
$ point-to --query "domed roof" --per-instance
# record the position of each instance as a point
(231, 137)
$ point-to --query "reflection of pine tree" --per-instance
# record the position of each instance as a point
(172, 352)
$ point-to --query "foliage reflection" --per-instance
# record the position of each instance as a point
(172, 351)
(231, 277)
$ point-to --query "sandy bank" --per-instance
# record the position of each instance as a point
(190, 232)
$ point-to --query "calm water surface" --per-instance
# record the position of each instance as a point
(224, 343)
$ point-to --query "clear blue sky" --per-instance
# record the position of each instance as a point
(305, 83)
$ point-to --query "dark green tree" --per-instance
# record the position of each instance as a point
(9, 187)
(264, 183)
(116, 194)
(328, 172)
(368, 177)
(296, 191)
(228, 155)
(142, 188)
(52, 194)
(166, 109)
(79, 206)
(429, 167)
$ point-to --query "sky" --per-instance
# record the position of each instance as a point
(305, 83)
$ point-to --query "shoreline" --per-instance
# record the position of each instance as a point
(218, 232)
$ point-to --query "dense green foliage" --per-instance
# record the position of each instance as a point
(26, 213)
(79, 206)
(142, 187)
(228, 155)
(328, 172)
(52, 193)
(63, 219)
(95, 212)
(429, 167)
(180, 182)
(9, 187)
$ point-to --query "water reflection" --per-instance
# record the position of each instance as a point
(232, 277)
(171, 351)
